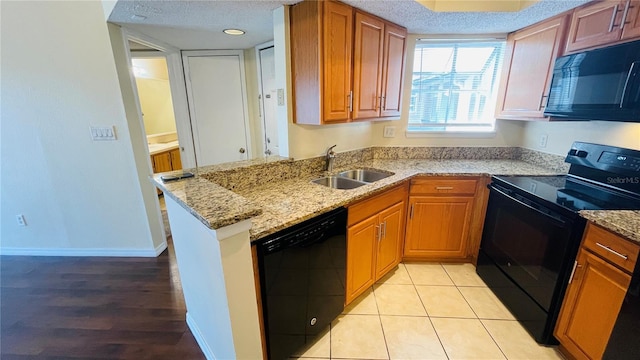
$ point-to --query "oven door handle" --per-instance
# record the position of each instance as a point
(560, 222)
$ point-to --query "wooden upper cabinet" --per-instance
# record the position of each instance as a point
(631, 29)
(603, 23)
(337, 53)
(395, 45)
(378, 67)
(527, 69)
(367, 66)
(346, 64)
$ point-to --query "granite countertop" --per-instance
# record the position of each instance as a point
(622, 222)
(278, 204)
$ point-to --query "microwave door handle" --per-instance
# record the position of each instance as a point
(626, 84)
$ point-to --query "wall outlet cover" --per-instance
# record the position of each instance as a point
(389, 131)
(543, 140)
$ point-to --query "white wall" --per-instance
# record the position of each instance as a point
(58, 78)
(155, 100)
(562, 134)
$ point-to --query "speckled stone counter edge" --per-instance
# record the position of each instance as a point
(216, 185)
(625, 223)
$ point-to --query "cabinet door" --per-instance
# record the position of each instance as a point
(361, 246)
(337, 54)
(395, 40)
(162, 162)
(591, 306)
(438, 227)
(367, 66)
(176, 162)
(527, 69)
(594, 25)
(389, 252)
(631, 29)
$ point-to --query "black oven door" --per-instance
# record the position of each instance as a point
(528, 242)
(526, 256)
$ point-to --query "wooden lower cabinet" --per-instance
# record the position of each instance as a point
(161, 162)
(438, 227)
(445, 218)
(389, 252)
(375, 235)
(594, 296)
(166, 161)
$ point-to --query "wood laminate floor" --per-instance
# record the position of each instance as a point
(93, 308)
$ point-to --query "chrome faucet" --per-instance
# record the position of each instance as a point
(330, 157)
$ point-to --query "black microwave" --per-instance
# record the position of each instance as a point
(601, 84)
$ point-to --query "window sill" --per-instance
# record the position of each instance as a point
(449, 134)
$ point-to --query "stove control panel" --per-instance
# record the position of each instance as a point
(620, 160)
(612, 159)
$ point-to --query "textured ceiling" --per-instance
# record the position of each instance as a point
(199, 24)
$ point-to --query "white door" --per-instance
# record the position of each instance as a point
(269, 97)
(217, 105)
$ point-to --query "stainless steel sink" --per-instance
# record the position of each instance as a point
(364, 175)
(352, 179)
(338, 182)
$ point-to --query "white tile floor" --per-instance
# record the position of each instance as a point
(428, 311)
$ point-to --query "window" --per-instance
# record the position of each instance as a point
(454, 85)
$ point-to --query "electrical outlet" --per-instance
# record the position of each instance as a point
(20, 219)
(389, 131)
(543, 140)
(103, 133)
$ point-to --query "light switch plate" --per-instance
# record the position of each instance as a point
(103, 133)
(280, 97)
(389, 131)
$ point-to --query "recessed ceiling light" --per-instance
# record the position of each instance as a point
(233, 31)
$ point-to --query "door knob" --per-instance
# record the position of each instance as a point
(242, 150)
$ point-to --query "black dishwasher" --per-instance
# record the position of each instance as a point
(302, 280)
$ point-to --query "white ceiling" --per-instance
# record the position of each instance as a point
(188, 24)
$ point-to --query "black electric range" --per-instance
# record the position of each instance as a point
(533, 229)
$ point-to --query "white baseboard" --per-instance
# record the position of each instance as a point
(160, 248)
(199, 339)
(85, 252)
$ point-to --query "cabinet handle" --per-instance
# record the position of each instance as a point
(542, 102)
(384, 102)
(613, 18)
(573, 271)
(383, 230)
(444, 187)
(377, 233)
(351, 101)
(624, 14)
(411, 212)
(612, 251)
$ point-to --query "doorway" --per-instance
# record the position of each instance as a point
(268, 98)
(154, 95)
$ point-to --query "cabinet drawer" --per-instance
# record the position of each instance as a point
(611, 247)
(443, 186)
(376, 204)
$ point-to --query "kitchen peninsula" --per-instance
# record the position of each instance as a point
(215, 216)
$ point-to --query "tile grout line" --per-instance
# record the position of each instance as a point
(386, 346)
